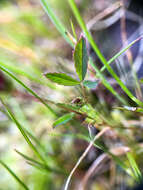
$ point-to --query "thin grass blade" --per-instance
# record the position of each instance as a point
(73, 30)
(34, 162)
(136, 171)
(21, 183)
(15, 69)
(106, 83)
(27, 88)
(121, 52)
(58, 24)
(23, 132)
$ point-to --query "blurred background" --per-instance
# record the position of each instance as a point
(30, 45)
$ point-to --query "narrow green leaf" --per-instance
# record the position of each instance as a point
(14, 175)
(35, 139)
(28, 158)
(36, 77)
(35, 162)
(73, 30)
(81, 58)
(58, 24)
(136, 171)
(38, 165)
(141, 80)
(121, 52)
(19, 126)
(62, 79)
(133, 109)
(27, 88)
(63, 120)
(106, 83)
(90, 84)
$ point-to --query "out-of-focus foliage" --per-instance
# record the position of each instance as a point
(29, 46)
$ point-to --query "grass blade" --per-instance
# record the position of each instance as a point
(27, 88)
(31, 160)
(131, 109)
(37, 142)
(134, 166)
(15, 69)
(14, 175)
(38, 165)
(106, 84)
(30, 134)
(73, 30)
(121, 52)
(28, 158)
(56, 21)
(23, 132)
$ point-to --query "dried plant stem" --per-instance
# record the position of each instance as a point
(109, 10)
(84, 154)
(94, 167)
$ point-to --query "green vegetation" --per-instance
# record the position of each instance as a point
(50, 115)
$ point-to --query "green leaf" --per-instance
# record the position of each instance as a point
(62, 79)
(90, 84)
(81, 58)
(64, 119)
